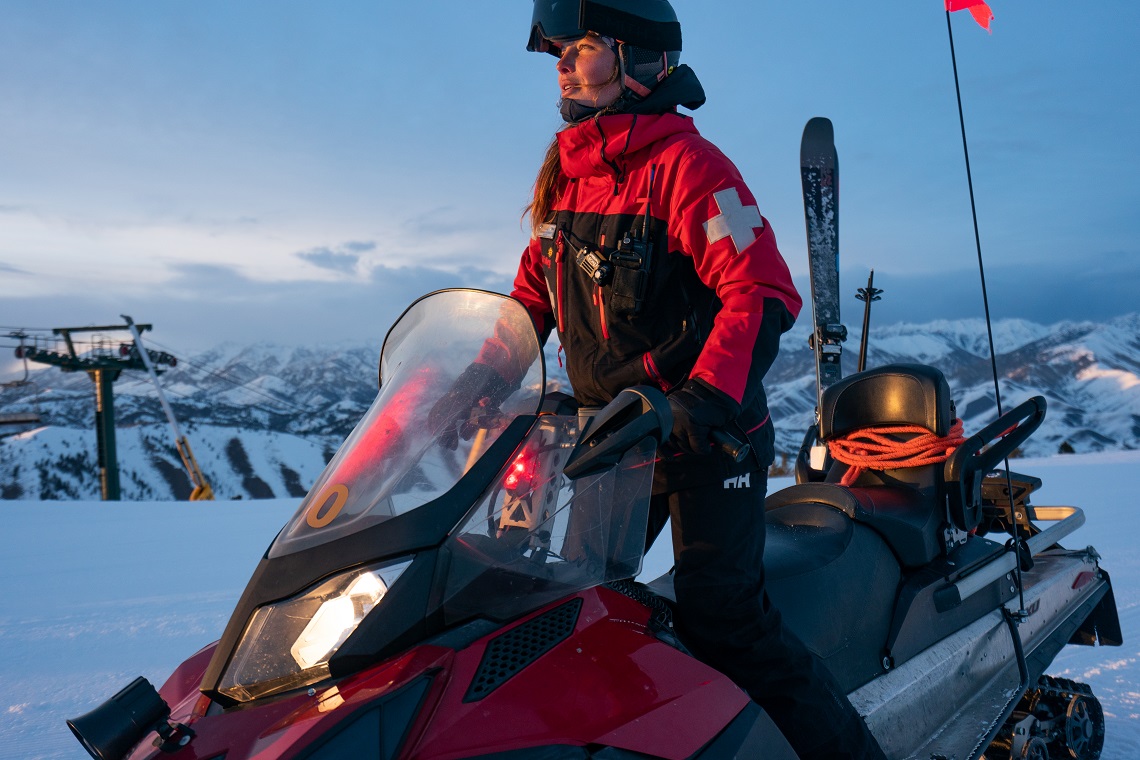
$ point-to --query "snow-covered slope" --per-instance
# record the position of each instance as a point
(263, 419)
(93, 595)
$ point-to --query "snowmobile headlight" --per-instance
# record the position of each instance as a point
(288, 644)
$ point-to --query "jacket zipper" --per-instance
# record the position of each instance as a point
(600, 300)
(651, 370)
(560, 316)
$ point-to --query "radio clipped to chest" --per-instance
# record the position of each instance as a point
(626, 269)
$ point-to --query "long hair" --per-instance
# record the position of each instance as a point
(545, 188)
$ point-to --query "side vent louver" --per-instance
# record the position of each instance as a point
(512, 651)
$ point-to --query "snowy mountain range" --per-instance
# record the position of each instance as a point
(264, 419)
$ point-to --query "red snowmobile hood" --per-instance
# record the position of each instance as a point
(598, 146)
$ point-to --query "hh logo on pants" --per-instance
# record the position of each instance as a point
(739, 482)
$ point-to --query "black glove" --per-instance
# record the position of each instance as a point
(449, 417)
(698, 410)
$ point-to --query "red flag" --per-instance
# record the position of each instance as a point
(978, 9)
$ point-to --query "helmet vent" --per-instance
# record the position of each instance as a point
(512, 651)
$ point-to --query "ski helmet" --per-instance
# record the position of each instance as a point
(647, 32)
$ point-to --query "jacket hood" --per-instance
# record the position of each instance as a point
(681, 88)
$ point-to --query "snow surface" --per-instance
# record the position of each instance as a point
(94, 594)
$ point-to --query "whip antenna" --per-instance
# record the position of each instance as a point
(1017, 541)
(974, 214)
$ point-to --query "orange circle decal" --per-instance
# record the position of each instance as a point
(339, 492)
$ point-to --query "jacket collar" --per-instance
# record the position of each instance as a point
(600, 146)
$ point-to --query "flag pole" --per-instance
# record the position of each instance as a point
(1016, 541)
(974, 213)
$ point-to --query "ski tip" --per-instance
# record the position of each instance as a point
(819, 127)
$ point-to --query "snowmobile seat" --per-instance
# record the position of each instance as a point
(834, 582)
(910, 525)
(904, 505)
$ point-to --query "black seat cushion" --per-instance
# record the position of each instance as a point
(907, 520)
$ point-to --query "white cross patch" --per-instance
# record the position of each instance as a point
(735, 220)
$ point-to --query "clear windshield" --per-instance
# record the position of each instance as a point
(537, 536)
(394, 461)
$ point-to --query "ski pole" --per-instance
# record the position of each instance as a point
(867, 295)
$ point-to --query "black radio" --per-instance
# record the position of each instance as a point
(595, 266)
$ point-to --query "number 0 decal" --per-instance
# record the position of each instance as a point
(339, 492)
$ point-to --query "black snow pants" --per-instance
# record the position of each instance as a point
(723, 613)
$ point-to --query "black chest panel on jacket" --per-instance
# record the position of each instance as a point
(641, 321)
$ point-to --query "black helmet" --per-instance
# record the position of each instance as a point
(649, 24)
(647, 30)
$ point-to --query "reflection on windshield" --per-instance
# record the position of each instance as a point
(536, 536)
(393, 461)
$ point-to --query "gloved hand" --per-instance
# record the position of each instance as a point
(698, 409)
(478, 385)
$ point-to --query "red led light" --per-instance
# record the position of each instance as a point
(520, 475)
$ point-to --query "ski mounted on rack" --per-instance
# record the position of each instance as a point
(819, 171)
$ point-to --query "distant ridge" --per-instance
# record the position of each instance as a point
(263, 419)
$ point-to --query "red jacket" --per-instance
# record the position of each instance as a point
(718, 293)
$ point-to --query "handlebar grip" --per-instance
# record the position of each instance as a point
(729, 444)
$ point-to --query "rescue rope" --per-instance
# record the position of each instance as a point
(875, 449)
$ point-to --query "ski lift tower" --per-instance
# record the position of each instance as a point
(103, 365)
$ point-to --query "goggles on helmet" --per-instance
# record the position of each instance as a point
(649, 24)
(555, 21)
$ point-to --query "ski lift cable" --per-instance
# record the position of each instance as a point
(245, 387)
(1017, 541)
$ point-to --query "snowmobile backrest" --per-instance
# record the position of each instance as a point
(895, 394)
(890, 396)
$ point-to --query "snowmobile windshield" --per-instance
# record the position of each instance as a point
(536, 536)
(394, 461)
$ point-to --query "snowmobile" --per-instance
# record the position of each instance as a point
(471, 596)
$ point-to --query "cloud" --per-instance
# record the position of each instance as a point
(204, 305)
(334, 261)
(11, 269)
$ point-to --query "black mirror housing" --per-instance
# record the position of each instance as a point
(634, 415)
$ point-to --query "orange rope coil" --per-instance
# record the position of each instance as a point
(874, 449)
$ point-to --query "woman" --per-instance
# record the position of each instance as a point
(651, 259)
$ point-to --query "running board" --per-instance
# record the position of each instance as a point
(940, 702)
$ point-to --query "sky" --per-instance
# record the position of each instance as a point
(299, 172)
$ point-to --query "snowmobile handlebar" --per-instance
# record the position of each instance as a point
(729, 444)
